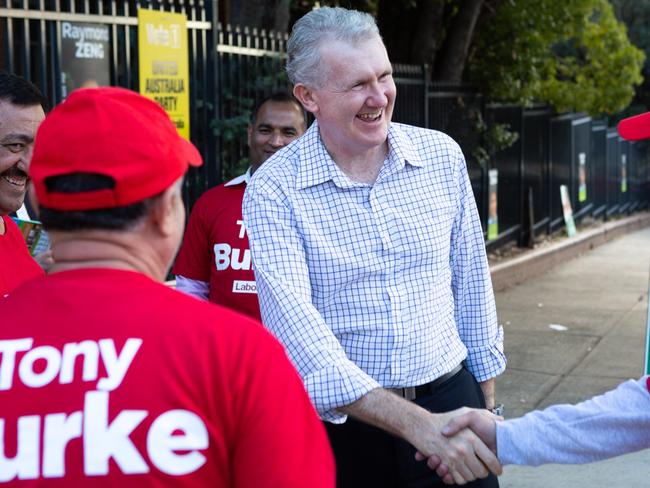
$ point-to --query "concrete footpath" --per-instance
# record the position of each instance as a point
(571, 333)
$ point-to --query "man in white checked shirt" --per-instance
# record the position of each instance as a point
(371, 267)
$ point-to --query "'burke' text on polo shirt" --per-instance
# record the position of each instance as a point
(173, 441)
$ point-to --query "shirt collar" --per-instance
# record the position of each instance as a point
(245, 178)
(316, 166)
(401, 149)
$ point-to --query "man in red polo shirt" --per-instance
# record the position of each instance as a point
(21, 112)
(214, 262)
(115, 379)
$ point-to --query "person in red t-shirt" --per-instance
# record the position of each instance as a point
(115, 379)
(21, 112)
(214, 262)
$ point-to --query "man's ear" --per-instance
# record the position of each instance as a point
(305, 96)
(162, 211)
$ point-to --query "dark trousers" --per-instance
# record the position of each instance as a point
(368, 457)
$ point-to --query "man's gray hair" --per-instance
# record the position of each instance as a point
(331, 23)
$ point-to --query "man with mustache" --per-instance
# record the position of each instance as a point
(21, 112)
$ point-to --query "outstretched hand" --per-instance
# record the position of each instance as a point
(481, 449)
(458, 457)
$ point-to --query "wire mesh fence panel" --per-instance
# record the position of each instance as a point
(509, 165)
(535, 154)
(582, 167)
(458, 112)
(599, 170)
(411, 103)
(613, 172)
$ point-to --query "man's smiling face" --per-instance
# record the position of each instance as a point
(18, 125)
(276, 124)
(355, 105)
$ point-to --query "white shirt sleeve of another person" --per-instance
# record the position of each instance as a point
(197, 288)
(608, 425)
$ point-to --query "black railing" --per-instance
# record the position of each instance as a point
(250, 66)
(605, 175)
(31, 38)
(231, 67)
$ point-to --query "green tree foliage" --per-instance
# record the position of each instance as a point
(574, 55)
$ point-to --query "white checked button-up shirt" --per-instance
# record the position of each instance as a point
(373, 285)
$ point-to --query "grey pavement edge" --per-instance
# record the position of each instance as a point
(575, 331)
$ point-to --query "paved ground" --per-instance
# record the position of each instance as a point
(601, 299)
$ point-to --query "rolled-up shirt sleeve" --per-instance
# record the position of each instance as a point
(284, 290)
(474, 306)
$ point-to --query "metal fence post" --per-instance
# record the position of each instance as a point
(426, 81)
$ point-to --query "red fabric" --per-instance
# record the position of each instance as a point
(214, 252)
(16, 264)
(204, 361)
(113, 132)
(648, 383)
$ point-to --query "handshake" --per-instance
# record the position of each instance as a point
(464, 446)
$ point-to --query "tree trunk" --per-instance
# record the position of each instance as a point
(453, 54)
(278, 15)
(430, 15)
(246, 12)
(395, 20)
(262, 14)
(411, 32)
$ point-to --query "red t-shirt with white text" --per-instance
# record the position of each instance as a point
(115, 380)
(215, 249)
(16, 264)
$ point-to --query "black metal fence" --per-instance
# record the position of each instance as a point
(30, 31)
(231, 67)
(605, 175)
(250, 66)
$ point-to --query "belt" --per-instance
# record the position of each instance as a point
(414, 392)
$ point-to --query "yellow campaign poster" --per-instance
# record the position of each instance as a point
(164, 65)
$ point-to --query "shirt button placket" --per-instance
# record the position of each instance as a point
(379, 218)
(382, 222)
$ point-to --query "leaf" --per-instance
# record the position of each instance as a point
(574, 55)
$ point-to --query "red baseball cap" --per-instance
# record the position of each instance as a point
(112, 132)
(635, 128)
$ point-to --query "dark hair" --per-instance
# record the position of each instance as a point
(18, 91)
(280, 97)
(118, 218)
